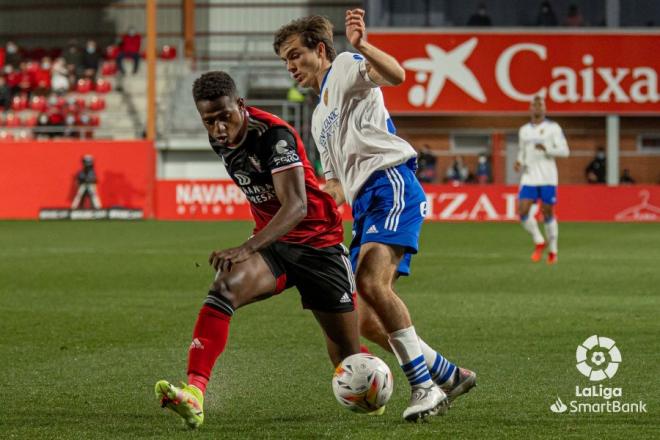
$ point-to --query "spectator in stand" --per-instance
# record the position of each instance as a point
(574, 18)
(13, 78)
(426, 161)
(480, 17)
(129, 47)
(25, 79)
(5, 94)
(597, 168)
(42, 77)
(60, 77)
(457, 172)
(42, 129)
(73, 61)
(546, 15)
(12, 55)
(90, 60)
(483, 170)
(626, 178)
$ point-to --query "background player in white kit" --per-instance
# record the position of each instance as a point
(540, 142)
(372, 169)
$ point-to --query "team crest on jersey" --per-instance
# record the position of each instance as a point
(255, 163)
(325, 97)
(281, 147)
(242, 179)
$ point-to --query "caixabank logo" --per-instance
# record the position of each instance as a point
(598, 358)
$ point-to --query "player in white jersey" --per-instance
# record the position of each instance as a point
(372, 169)
(540, 142)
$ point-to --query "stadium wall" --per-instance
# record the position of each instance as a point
(222, 200)
(36, 175)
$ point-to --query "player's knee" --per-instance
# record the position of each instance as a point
(371, 287)
(217, 300)
(223, 289)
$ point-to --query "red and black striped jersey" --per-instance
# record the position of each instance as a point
(270, 146)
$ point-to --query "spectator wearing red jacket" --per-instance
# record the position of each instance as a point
(129, 48)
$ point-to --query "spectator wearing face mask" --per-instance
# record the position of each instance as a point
(42, 77)
(12, 55)
(90, 60)
(597, 168)
(129, 48)
(483, 170)
(60, 77)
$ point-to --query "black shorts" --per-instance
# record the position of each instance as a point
(323, 276)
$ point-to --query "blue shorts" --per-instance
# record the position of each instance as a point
(547, 193)
(390, 209)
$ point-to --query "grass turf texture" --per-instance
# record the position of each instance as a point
(94, 313)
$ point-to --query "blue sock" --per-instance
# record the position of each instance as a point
(441, 369)
(416, 371)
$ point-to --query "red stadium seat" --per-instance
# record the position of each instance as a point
(94, 120)
(31, 120)
(38, 103)
(84, 85)
(102, 86)
(12, 120)
(80, 103)
(97, 103)
(32, 67)
(109, 68)
(19, 102)
(111, 52)
(23, 135)
(168, 52)
(6, 135)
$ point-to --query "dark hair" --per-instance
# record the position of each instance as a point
(312, 30)
(213, 85)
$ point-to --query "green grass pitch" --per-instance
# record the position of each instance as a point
(92, 314)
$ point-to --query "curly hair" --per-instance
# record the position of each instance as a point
(213, 85)
(312, 30)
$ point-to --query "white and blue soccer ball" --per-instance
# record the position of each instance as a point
(362, 383)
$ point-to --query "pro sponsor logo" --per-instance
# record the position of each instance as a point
(598, 358)
(491, 72)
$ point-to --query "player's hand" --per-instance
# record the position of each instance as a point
(224, 260)
(356, 31)
(517, 167)
(540, 147)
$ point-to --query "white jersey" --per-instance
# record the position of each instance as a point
(538, 166)
(352, 128)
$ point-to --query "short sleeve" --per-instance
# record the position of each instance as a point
(351, 72)
(282, 150)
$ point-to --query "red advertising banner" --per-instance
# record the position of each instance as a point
(222, 200)
(36, 175)
(491, 72)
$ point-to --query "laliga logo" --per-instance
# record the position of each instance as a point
(592, 358)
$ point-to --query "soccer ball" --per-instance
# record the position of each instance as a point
(362, 383)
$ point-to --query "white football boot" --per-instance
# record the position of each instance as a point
(425, 402)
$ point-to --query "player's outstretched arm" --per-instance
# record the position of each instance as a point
(382, 68)
(336, 191)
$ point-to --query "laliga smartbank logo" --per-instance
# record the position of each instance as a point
(598, 359)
